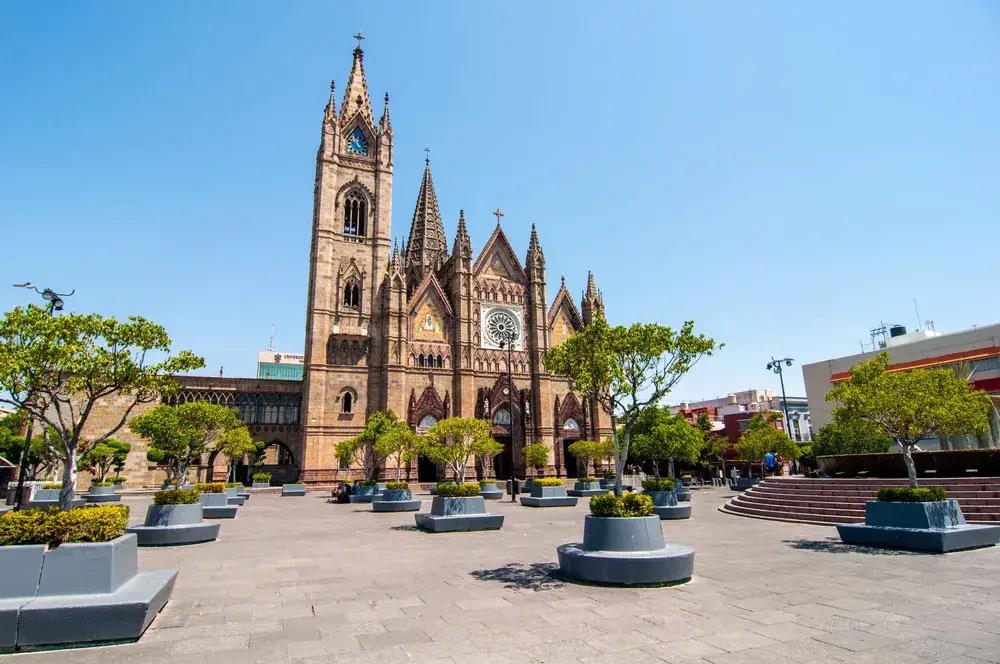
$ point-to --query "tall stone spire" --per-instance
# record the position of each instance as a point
(463, 243)
(356, 94)
(384, 124)
(534, 264)
(593, 301)
(427, 247)
(534, 247)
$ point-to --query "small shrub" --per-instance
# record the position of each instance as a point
(628, 506)
(52, 486)
(104, 483)
(547, 481)
(261, 477)
(54, 527)
(609, 475)
(118, 480)
(586, 479)
(445, 481)
(686, 476)
(665, 484)
(367, 483)
(466, 490)
(211, 487)
(230, 485)
(397, 486)
(177, 497)
(904, 494)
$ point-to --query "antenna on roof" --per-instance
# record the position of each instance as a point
(918, 313)
(270, 341)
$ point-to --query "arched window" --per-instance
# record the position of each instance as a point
(440, 362)
(420, 360)
(355, 215)
(571, 425)
(352, 295)
(348, 402)
(427, 422)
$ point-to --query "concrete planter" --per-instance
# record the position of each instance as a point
(458, 514)
(937, 526)
(260, 485)
(78, 593)
(293, 490)
(586, 489)
(682, 491)
(490, 491)
(548, 496)
(216, 506)
(666, 507)
(50, 498)
(169, 525)
(102, 490)
(626, 551)
(236, 495)
(102, 494)
(365, 493)
(396, 500)
(744, 483)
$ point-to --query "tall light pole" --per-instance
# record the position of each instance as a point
(507, 338)
(775, 366)
(55, 303)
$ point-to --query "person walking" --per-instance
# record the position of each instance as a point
(769, 464)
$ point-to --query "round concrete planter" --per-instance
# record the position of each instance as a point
(587, 486)
(102, 494)
(662, 498)
(102, 490)
(490, 490)
(168, 525)
(365, 493)
(625, 551)
(396, 495)
(395, 500)
(77, 593)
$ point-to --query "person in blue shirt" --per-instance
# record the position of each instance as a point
(769, 462)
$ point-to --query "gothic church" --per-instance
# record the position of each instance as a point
(418, 329)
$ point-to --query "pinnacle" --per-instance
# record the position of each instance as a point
(356, 93)
(427, 245)
(385, 123)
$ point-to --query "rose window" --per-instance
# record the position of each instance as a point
(501, 327)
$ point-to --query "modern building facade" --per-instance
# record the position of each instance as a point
(280, 366)
(974, 354)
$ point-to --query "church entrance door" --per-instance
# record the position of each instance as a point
(572, 467)
(501, 462)
(426, 470)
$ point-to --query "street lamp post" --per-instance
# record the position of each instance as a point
(775, 366)
(507, 341)
(55, 303)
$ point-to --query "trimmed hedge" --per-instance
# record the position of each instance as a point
(905, 494)
(586, 479)
(665, 484)
(466, 490)
(211, 487)
(367, 483)
(445, 481)
(105, 483)
(230, 485)
(54, 527)
(261, 477)
(177, 497)
(547, 481)
(609, 475)
(118, 480)
(397, 486)
(629, 506)
(52, 486)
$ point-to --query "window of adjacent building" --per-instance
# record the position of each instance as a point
(744, 425)
(355, 215)
(348, 402)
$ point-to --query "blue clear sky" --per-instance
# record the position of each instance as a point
(787, 174)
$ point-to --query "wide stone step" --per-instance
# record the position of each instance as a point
(926, 481)
(801, 509)
(954, 493)
(968, 504)
(798, 517)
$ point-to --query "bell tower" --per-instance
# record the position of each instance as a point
(349, 256)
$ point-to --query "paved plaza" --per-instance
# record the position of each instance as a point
(300, 580)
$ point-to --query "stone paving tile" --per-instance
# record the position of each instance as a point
(310, 582)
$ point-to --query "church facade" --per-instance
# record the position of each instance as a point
(427, 329)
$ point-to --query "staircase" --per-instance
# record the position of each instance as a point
(831, 501)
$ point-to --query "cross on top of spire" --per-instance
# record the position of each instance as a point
(359, 37)
(499, 213)
(427, 158)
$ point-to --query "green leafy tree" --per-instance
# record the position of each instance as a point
(659, 437)
(179, 435)
(808, 457)
(104, 456)
(713, 448)
(912, 405)
(400, 444)
(58, 368)
(234, 444)
(371, 447)
(848, 433)
(42, 456)
(606, 452)
(257, 456)
(704, 424)
(626, 370)
(584, 451)
(535, 456)
(456, 440)
(761, 438)
(488, 451)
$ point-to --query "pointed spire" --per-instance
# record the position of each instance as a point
(331, 106)
(428, 246)
(463, 244)
(533, 245)
(356, 94)
(591, 287)
(592, 300)
(384, 124)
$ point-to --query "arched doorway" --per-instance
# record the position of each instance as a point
(570, 434)
(502, 427)
(427, 470)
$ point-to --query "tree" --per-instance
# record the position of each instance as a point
(257, 456)
(42, 454)
(626, 370)
(400, 444)
(704, 424)
(713, 448)
(606, 452)
(761, 438)
(369, 448)
(912, 405)
(234, 444)
(179, 435)
(659, 436)
(584, 450)
(487, 453)
(808, 457)
(457, 439)
(58, 368)
(104, 456)
(535, 456)
(848, 433)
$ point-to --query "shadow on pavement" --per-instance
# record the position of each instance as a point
(517, 576)
(834, 545)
